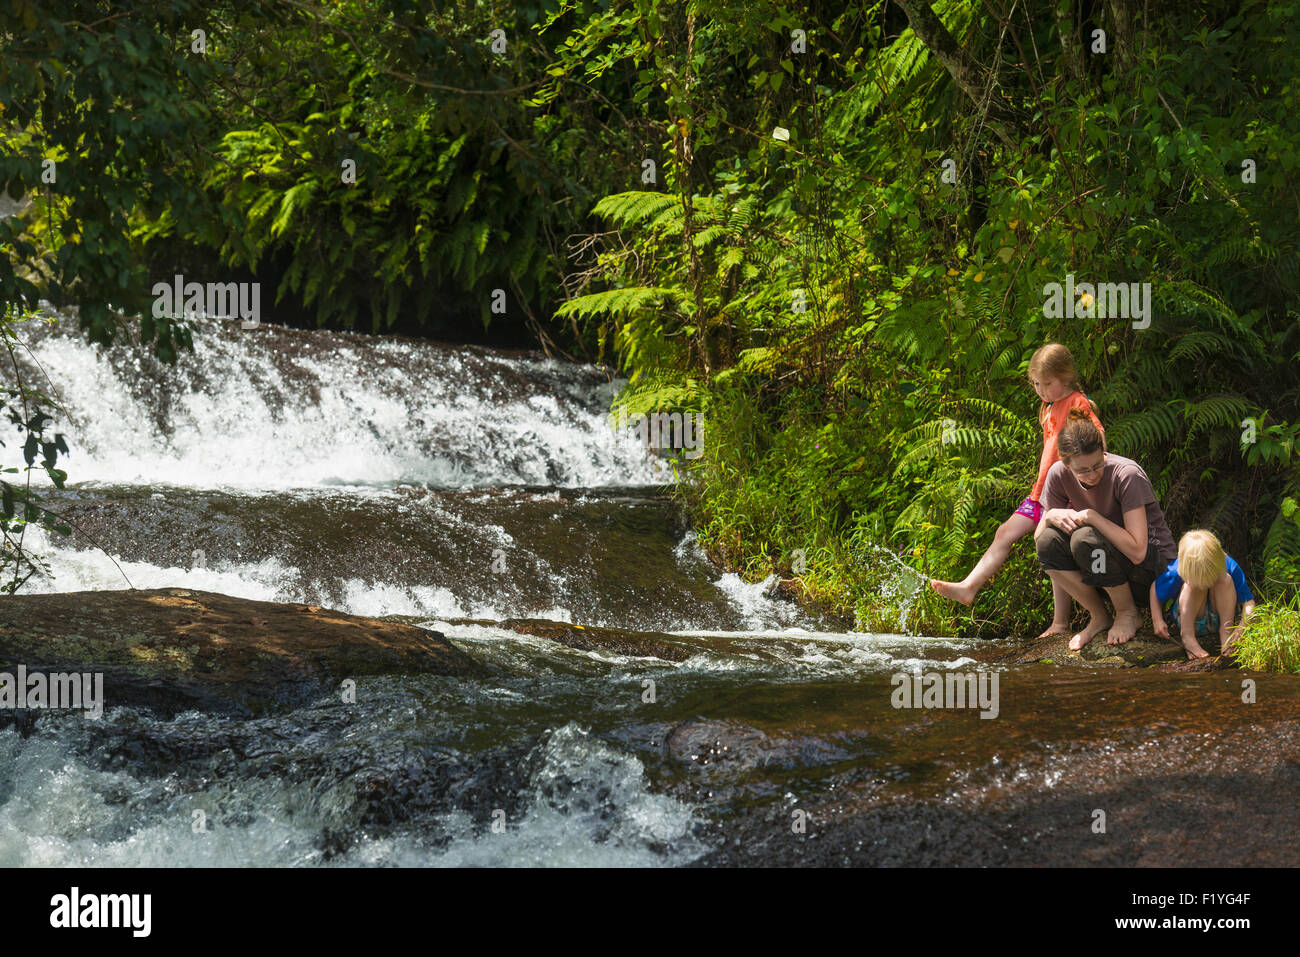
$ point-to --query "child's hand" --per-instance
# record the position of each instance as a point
(1160, 628)
(1227, 644)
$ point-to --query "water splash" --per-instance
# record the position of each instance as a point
(900, 585)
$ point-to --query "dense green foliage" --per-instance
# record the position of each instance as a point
(1269, 639)
(382, 165)
(375, 192)
(857, 329)
(828, 227)
(24, 406)
(93, 134)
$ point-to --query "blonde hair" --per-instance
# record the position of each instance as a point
(1053, 361)
(1201, 559)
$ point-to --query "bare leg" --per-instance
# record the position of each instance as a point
(1190, 602)
(1008, 533)
(1127, 618)
(1223, 599)
(1089, 598)
(1060, 611)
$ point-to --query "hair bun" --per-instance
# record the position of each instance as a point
(1077, 413)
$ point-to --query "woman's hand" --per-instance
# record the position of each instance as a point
(1066, 519)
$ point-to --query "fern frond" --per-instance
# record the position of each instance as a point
(1142, 430)
(634, 206)
(1282, 542)
(614, 302)
(1216, 411)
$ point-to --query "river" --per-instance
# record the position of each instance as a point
(458, 487)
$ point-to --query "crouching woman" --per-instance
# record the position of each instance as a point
(1102, 528)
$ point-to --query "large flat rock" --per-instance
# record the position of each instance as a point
(1143, 650)
(173, 649)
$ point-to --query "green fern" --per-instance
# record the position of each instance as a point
(1282, 542)
(615, 302)
(1219, 411)
(636, 206)
(1146, 430)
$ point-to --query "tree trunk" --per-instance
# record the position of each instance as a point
(1121, 14)
(684, 128)
(1066, 29)
(971, 78)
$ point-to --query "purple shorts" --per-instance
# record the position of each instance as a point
(1031, 510)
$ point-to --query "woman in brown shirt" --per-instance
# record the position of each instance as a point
(1102, 528)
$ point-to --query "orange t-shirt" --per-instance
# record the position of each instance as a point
(1052, 416)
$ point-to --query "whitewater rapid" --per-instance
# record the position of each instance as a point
(274, 408)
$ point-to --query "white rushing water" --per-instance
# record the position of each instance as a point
(588, 805)
(272, 408)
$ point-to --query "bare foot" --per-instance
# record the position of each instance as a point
(957, 591)
(1193, 647)
(1125, 627)
(1094, 628)
(1056, 628)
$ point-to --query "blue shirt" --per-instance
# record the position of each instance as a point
(1169, 584)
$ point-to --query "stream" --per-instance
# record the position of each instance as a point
(458, 487)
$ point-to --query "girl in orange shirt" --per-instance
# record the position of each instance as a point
(1052, 374)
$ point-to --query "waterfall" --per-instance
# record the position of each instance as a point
(275, 408)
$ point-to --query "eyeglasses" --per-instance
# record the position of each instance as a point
(1092, 471)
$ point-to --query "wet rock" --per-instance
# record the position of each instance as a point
(619, 539)
(1200, 665)
(1200, 799)
(730, 745)
(1144, 650)
(175, 649)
